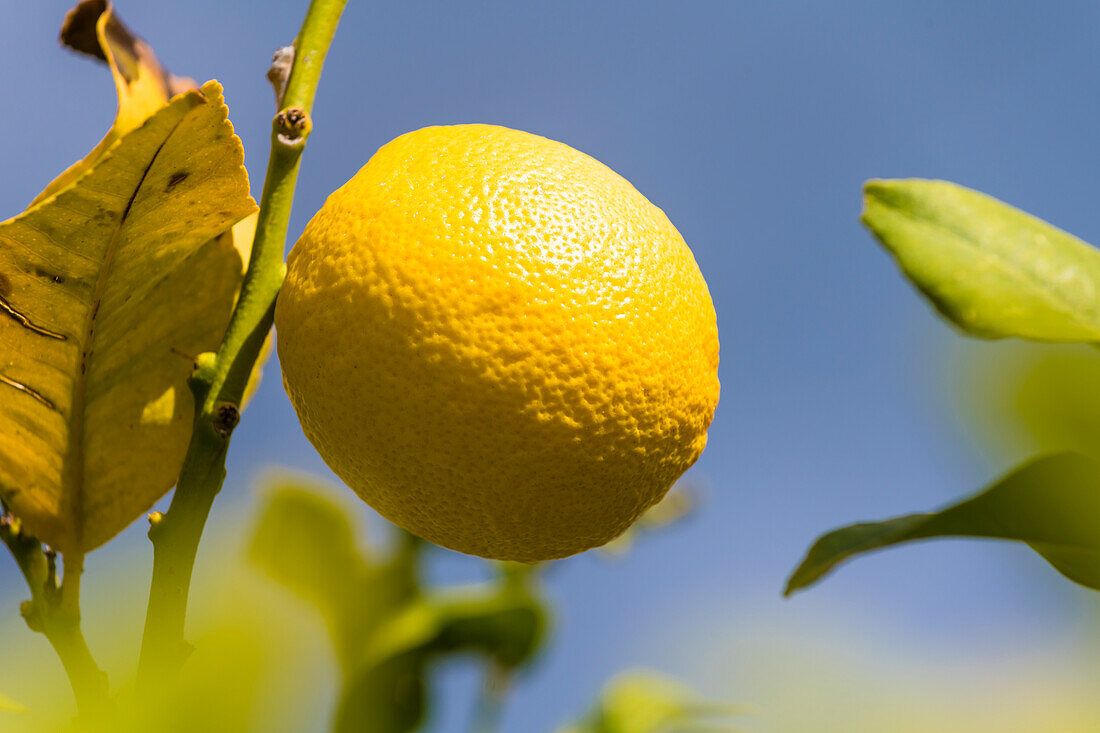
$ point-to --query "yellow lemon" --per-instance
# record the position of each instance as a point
(498, 343)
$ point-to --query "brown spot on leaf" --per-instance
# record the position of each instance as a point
(51, 276)
(5, 286)
(176, 179)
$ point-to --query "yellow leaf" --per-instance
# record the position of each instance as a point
(108, 289)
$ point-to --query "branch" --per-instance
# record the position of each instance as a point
(219, 380)
(54, 611)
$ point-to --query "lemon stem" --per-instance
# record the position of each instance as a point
(219, 380)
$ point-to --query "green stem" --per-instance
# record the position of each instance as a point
(55, 612)
(219, 380)
(490, 701)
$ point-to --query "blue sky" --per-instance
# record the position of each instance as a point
(752, 125)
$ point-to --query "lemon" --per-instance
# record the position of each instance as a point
(498, 343)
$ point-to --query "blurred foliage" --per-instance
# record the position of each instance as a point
(641, 701)
(1052, 504)
(1021, 398)
(387, 628)
(995, 271)
(252, 657)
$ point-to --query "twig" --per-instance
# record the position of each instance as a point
(219, 380)
(54, 611)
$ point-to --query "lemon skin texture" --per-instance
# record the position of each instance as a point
(498, 343)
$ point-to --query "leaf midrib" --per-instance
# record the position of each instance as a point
(75, 470)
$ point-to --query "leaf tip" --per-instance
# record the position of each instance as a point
(797, 581)
(874, 190)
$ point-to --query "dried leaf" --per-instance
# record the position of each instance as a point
(143, 85)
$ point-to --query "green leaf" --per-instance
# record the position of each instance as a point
(641, 701)
(677, 504)
(389, 697)
(992, 270)
(386, 627)
(1030, 398)
(1051, 503)
(507, 626)
(108, 289)
(306, 543)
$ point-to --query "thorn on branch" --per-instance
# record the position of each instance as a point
(292, 126)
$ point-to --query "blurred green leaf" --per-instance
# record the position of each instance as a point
(387, 628)
(306, 543)
(1052, 504)
(678, 503)
(507, 627)
(389, 697)
(641, 701)
(1031, 399)
(991, 269)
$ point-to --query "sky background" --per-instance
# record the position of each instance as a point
(752, 125)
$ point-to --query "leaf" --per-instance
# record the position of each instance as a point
(108, 289)
(992, 270)
(390, 697)
(306, 543)
(641, 701)
(142, 84)
(507, 626)
(1031, 398)
(1051, 503)
(677, 504)
(386, 627)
